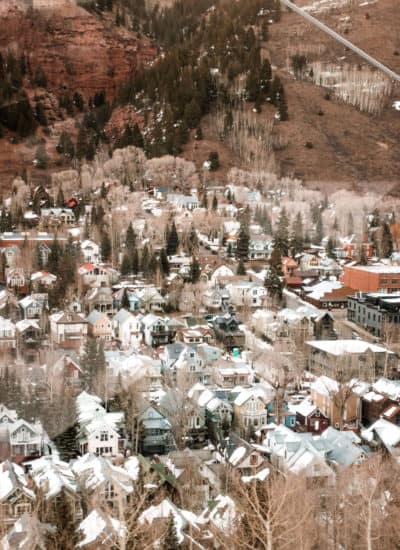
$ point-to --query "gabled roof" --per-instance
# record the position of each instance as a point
(67, 318)
(94, 471)
(53, 476)
(383, 431)
(96, 316)
(165, 509)
(28, 532)
(98, 530)
(341, 347)
(12, 479)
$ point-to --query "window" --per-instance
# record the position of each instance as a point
(109, 492)
(253, 460)
(21, 434)
(103, 436)
(22, 508)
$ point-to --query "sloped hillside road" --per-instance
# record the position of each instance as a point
(341, 39)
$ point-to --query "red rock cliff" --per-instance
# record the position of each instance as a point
(77, 50)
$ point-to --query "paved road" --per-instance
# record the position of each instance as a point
(340, 38)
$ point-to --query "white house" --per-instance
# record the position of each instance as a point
(67, 329)
(99, 431)
(246, 294)
(90, 251)
(26, 439)
(33, 305)
(127, 329)
(43, 278)
(92, 274)
(7, 334)
(57, 216)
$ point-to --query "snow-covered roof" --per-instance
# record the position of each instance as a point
(164, 510)
(221, 513)
(237, 456)
(12, 478)
(222, 271)
(340, 347)
(387, 432)
(52, 476)
(305, 408)
(98, 528)
(260, 476)
(94, 471)
(390, 388)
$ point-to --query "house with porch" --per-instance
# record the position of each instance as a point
(127, 329)
(227, 331)
(68, 330)
(249, 409)
(99, 432)
(158, 331)
(16, 497)
(33, 305)
(100, 298)
(99, 325)
(155, 432)
(90, 251)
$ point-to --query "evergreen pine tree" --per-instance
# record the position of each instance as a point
(135, 262)
(241, 269)
(195, 270)
(130, 239)
(281, 237)
(282, 106)
(41, 114)
(170, 538)
(54, 257)
(273, 279)
(243, 241)
(386, 241)
(192, 114)
(105, 246)
(297, 239)
(137, 137)
(198, 136)
(125, 300)
(330, 246)
(172, 241)
(144, 260)
(319, 232)
(82, 143)
(213, 159)
(193, 240)
(60, 200)
(41, 157)
(164, 264)
(126, 265)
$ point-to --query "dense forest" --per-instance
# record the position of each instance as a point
(209, 56)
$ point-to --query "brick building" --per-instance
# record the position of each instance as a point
(372, 278)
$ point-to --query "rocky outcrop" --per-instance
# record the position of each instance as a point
(77, 50)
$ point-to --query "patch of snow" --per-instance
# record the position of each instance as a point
(237, 455)
(132, 467)
(261, 476)
(92, 527)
